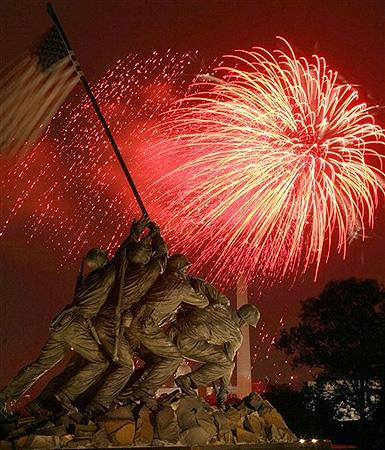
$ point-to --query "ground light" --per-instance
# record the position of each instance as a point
(313, 441)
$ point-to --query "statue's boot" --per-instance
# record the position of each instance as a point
(221, 399)
(184, 383)
(95, 409)
(37, 409)
(146, 399)
(66, 403)
(134, 395)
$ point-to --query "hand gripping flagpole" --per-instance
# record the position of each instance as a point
(102, 119)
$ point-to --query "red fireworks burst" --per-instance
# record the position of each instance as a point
(271, 163)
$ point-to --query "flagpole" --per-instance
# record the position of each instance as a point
(102, 119)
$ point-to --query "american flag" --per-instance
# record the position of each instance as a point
(31, 92)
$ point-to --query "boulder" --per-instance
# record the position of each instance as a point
(125, 435)
(65, 439)
(24, 441)
(265, 408)
(256, 424)
(288, 436)
(243, 436)
(195, 421)
(206, 421)
(222, 422)
(194, 436)
(79, 443)
(116, 419)
(254, 401)
(121, 413)
(186, 410)
(144, 433)
(53, 430)
(85, 431)
(229, 438)
(235, 418)
(193, 413)
(280, 435)
(110, 426)
(166, 426)
(273, 434)
(224, 433)
(37, 442)
(243, 409)
(275, 421)
(101, 440)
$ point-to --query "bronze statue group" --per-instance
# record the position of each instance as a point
(140, 303)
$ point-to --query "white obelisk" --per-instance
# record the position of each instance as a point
(243, 356)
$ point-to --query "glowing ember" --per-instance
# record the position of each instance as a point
(70, 190)
(270, 166)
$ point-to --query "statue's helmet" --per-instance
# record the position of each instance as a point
(96, 257)
(250, 314)
(139, 252)
(177, 262)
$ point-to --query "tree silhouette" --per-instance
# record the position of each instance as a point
(342, 333)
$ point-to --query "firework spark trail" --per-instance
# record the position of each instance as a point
(69, 189)
(270, 143)
(271, 167)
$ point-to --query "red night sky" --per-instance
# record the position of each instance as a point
(36, 280)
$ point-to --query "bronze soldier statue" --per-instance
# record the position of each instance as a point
(210, 291)
(156, 310)
(73, 329)
(211, 336)
(148, 260)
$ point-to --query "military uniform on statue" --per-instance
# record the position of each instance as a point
(156, 310)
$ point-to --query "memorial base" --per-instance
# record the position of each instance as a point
(176, 422)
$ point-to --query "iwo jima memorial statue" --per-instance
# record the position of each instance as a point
(141, 303)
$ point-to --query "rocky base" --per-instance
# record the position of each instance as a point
(179, 420)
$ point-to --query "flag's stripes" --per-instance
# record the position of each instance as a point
(8, 72)
(49, 95)
(29, 98)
